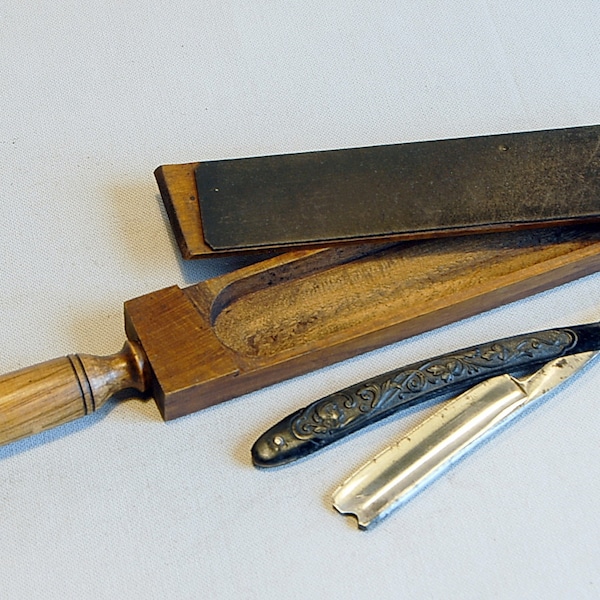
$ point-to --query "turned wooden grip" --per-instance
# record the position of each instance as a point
(58, 391)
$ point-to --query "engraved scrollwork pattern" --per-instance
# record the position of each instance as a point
(337, 412)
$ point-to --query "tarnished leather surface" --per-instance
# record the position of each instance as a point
(405, 190)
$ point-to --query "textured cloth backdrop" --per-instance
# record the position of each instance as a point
(94, 96)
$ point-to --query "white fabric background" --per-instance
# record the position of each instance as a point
(94, 95)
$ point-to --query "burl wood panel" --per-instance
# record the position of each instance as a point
(306, 309)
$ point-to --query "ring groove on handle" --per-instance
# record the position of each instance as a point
(38, 398)
(87, 395)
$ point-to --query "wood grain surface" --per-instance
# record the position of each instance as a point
(43, 396)
(306, 309)
(194, 347)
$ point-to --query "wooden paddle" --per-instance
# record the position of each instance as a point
(194, 347)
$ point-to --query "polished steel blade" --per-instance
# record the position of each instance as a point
(400, 471)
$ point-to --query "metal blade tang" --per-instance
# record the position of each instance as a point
(335, 416)
(400, 471)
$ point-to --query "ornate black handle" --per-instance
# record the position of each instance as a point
(337, 415)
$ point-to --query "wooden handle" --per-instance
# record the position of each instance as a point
(52, 393)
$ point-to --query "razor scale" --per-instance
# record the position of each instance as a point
(342, 413)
